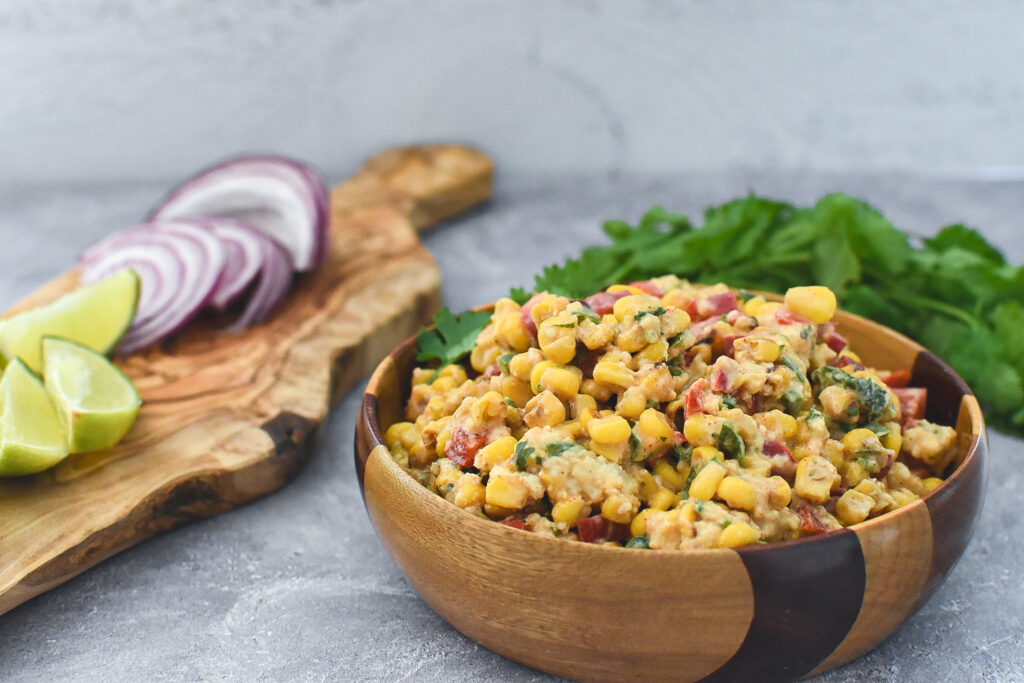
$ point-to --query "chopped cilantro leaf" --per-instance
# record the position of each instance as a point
(523, 453)
(452, 337)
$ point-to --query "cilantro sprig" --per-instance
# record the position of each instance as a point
(452, 336)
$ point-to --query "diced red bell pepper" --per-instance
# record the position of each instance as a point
(773, 447)
(527, 318)
(602, 303)
(598, 529)
(836, 341)
(514, 522)
(897, 379)
(694, 399)
(717, 305)
(809, 522)
(913, 402)
(729, 342)
(788, 317)
(462, 447)
(648, 287)
(493, 370)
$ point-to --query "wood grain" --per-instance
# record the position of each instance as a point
(764, 612)
(229, 418)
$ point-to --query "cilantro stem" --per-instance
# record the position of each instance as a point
(944, 308)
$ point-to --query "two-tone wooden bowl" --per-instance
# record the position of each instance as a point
(765, 612)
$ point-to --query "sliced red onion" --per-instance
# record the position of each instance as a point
(275, 280)
(243, 250)
(285, 199)
(179, 262)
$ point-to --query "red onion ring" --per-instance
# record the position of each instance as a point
(243, 250)
(284, 198)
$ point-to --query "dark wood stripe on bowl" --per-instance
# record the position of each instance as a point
(368, 436)
(796, 601)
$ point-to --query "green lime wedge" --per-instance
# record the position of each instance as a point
(96, 401)
(94, 315)
(32, 435)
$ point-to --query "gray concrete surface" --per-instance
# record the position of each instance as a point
(115, 89)
(297, 587)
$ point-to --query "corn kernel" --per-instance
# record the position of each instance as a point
(537, 373)
(443, 437)
(609, 430)
(894, 439)
(544, 410)
(563, 382)
(585, 417)
(688, 512)
(931, 483)
(903, 497)
(852, 355)
(769, 308)
(514, 333)
(632, 403)
(674, 321)
(779, 423)
(700, 429)
(483, 357)
(638, 526)
(469, 492)
(782, 493)
(581, 402)
(854, 440)
(669, 475)
(395, 432)
(615, 374)
(456, 372)
(619, 508)
(753, 306)
(521, 366)
(517, 390)
(626, 288)
(738, 493)
(662, 500)
(656, 352)
(817, 304)
(706, 482)
(853, 507)
(561, 350)
(765, 350)
(815, 477)
(654, 423)
(506, 493)
(543, 309)
(705, 454)
(447, 479)
(496, 452)
(612, 452)
(648, 487)
(443, 384)
(627, 306)
(738, 534)
(567, 512)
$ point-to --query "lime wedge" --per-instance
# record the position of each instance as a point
(94, 315)
(32, 435)
(96, 401)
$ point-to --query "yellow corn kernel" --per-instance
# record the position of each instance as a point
(653, 422)
(782, 493)
(648, 487)
(931, 483)
(854, 440)
(815, 477)
(769, 308)
(669, 475)
(705, 454)
(537, 372)
(764, 350)
(632, 403)
(638, 526)
(562, 382)
(626, 288)
(706, 482)
(853, 507)
(613, 452)
(514, 332)
(903, 497)
(674, 321)
(698, 430)
(521, 366)
(852, 355)
(498, 451)
(894, 439)
(613, 373)
(738, 534)
(420, 456)
(469, 492)
(443, 437)
(543, 309)
(854, 473)
(395, 432)
(483, 357)
(677, 298)
(817, 303)
(738, 493)
(869, 487)
(504, 492)
(585, 417)
(662, 499)
(447, 479)
(656, 352)
(627, 306)
(753, 306)
(443, 384)
(581, 402)
(562, 350)
(456, 372)
(688, 512)
(612, 429)
(544, 410)
(779, 422)
(567, 512)
(517, 390)
(619, 508)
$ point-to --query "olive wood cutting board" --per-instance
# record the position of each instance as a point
(228, 418)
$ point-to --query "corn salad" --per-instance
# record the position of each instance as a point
(664, 414)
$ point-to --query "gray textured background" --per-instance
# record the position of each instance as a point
(592, 110)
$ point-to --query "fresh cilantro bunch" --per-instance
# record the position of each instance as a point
(954, 293)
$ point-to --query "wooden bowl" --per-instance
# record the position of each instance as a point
(762, 612)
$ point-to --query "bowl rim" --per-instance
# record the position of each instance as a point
(977, 430)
